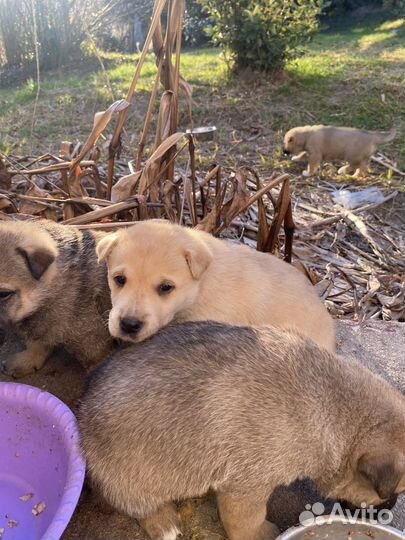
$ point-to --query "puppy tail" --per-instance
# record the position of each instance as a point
(382, 137)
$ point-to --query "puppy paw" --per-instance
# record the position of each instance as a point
(16, 367)
(163, 524)
(299, 157)
(23, 363)
(268, 531)
(159, 533)
(346, 169)
(306, 173)
(171, 534)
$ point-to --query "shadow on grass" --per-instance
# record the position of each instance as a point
(366, 33)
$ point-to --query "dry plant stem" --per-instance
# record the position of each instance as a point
(171, 82)
(162, 172)
(148, 118)
(283, 202)
(257, 196)
(44, 157)
(123, 115)
(76, 200)
(289, 229)
(263, 229)
(65, 180)
(353, 287)
(220, 196)
(111, 226)
(65, 165)
(111, 210)
(381, 161)
(191, 148)
(214, 173)
(35, 32)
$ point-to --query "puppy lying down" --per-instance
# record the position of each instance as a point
(52, 293)
(159, 272)
(240, 411)
(328, 143)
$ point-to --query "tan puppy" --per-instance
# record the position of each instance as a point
(52, 293)
(159, 272)
(241, 411)
(327, 143)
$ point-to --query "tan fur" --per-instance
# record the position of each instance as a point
(241, 411)
(328, 143)
(58, 295)
(213, 279)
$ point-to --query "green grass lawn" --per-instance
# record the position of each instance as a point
(352, 74)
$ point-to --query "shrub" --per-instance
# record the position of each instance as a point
(396, 6)
(197, 24)
(263, 34)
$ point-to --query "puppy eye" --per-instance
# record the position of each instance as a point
(165, 288)
(120, 281)
(5, 295)
(291, 139)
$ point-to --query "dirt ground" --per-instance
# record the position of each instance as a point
(380, 345)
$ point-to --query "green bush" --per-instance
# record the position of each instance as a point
(396, 6)
(263, 34)
(197, 25)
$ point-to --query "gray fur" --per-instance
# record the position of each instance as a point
(241, 411)
(72, 298)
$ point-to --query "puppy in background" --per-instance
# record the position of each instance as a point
(159, 272)
(52, 292)
(241, 411)
(328, 143)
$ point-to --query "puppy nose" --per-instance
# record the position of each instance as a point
(286, 152)
(129, 325)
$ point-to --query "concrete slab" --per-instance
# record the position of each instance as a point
(379, 345)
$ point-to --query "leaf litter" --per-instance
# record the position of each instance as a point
(354, 256)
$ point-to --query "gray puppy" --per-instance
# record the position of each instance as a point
(241, 411)
(52, 292)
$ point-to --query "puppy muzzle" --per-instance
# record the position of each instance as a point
(286, 152)
(131, 326)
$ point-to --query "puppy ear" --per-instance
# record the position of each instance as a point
(198, 257)
(38, 259)
(105, 246)
(383, 471)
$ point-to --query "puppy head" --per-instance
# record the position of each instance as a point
(375, 472)
(27, 266)
(154, 272)
(294, 141)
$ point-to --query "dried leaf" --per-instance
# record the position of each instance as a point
(101, 121)
(166, 111)
(5, 204)
(5, 176)
(34, 207)
(125, 187)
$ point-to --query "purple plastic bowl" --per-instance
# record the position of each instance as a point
(39, 455)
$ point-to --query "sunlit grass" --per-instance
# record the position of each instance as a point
(352, 74)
